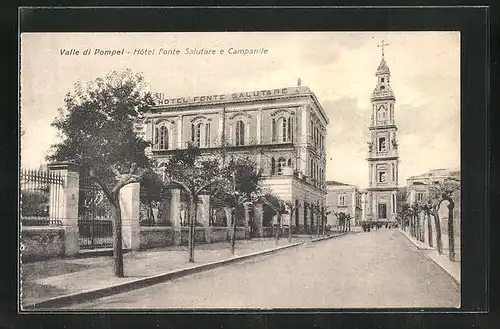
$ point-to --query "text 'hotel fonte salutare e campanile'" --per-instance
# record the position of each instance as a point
(283, 130)
(383, 158)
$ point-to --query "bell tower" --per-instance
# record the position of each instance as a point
(383, 158)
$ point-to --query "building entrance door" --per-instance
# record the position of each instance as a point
(382, 211)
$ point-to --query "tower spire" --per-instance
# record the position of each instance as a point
(382, 45)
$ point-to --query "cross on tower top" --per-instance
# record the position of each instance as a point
(382, 45)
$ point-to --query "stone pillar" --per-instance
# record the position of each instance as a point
(175, 214)
(129, 204)
(204, 216)
(66, 205)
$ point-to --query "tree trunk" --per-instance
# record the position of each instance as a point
(429, 229)
(451, 233)
(317, 227)
(193, 207)
(439, 241)
(234, 219)
(290, 227)
(417, 226)
(117, 238)
(277, 233)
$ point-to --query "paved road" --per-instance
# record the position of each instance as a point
(371, 269)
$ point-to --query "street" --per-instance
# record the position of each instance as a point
(363, 270)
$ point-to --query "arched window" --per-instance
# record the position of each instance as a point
(274, 130)
(161, 138)
(284, 134)
(281, 165)
(197, 134)
(282, 129)
(200, 134)
(240, 133)
(290, 163)
(207, 134)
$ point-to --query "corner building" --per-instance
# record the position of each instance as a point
(283, 130)
(383, 157)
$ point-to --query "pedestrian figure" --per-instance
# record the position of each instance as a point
(155, 212)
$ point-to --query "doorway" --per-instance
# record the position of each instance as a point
(382, 211)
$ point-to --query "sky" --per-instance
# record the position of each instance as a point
(339, 67)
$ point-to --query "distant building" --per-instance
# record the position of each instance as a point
(417, 186)
(344, 198)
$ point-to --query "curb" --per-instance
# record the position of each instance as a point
(80, 297)
(453, 278)
(414, 242)
(329, 237)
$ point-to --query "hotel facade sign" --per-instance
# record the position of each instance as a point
(162, 100)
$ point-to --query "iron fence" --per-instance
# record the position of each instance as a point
(94, 217)
(40, 199)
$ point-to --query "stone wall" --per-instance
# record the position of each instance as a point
(199, 235)
(219, 234)
(42, 242)
(155, 237)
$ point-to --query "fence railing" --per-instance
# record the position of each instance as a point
(40, 199)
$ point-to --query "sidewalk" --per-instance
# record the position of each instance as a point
(44, 280)
(452, 268)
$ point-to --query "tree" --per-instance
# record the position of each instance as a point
(292, 208)
(97, 133)
(196, 175)
(239, 186)
(278, 205)
(448, 190)
(343, 220)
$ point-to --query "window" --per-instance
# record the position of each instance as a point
(200, 134)
(273, 166)
(393, 173)
(394, 203)
(341, 201)
(382, 177)
(161, 138)
(281, 165)
(290, 129)
(240, 133)
(207, 134)
(382, 147)
(381, 79)
(382, 87)
(420, 196)
(282, 130)
(274, 130)
(290, 163)
(284, 126)
(197, 138)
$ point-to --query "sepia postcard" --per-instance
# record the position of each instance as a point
(239, 170)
